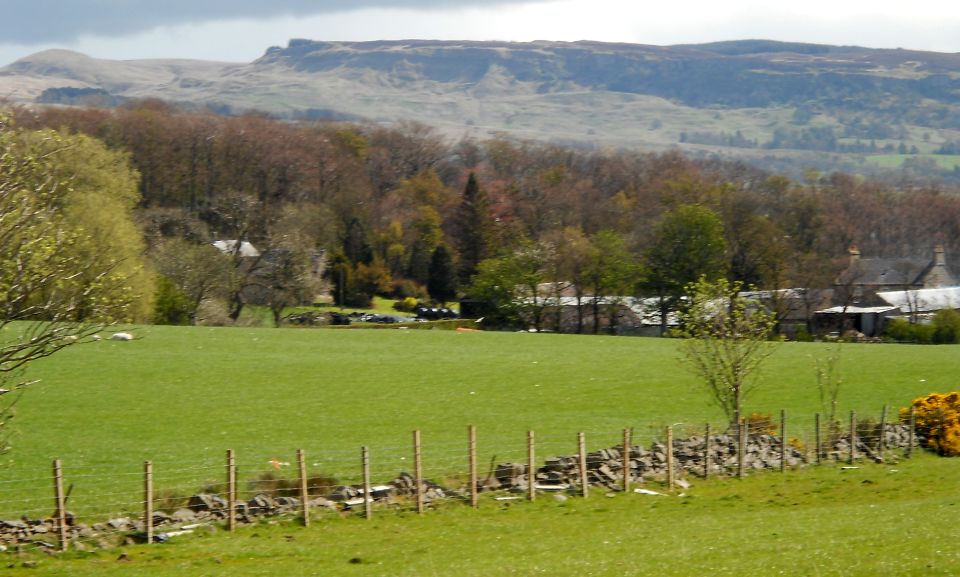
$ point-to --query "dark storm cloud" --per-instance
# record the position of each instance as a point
(46, 21)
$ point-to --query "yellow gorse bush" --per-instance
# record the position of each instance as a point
(937, 418)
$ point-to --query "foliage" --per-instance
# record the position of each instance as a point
(442, 282)
(62, 275)
(507, 287)
(611, 273)
(946, 327)
(761, 424)
(829, 382)
(171, 307)
(200, 272)
(688, 246)
(726, 339)
(406, 305)
(392, 193)
(276, 485)
(474, 226)
(356, 284)
(937, 419)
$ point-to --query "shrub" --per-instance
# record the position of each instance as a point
(762, 424)
(937, 420)
(403, 288)
(904, 332)
(406, 305)
(898, 330)
(171, 307)
(275, 485)
(946, 327)
(213, 313)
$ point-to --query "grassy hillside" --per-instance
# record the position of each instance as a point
(181, 396)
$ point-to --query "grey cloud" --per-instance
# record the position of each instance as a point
(49, 21)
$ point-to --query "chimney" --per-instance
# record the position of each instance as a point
(854, 254)
(939, 256)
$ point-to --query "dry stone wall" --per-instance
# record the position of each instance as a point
(604, 469)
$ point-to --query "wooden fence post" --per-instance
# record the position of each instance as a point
(853, 437)
(231, 490)
(148, 500)
(783, 440)
(61, 508)
(670, 471)
(626, 460)
(367, 491)
(881, 442)
(472, 453)
(531, 467)
(582, 454)
(706, 451)
(418, 471)
(741, 446)
(304, 489)
(910, 432)
(817, 440)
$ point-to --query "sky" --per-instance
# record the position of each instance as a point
(242, 30)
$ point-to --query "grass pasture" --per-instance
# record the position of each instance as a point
(944, 161)
(181, 396)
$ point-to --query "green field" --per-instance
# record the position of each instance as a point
(944, 161)
(182, 396)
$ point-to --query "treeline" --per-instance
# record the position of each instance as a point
(821, 138)
(402, 211)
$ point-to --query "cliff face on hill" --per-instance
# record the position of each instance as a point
(733, 74)
(753, 99)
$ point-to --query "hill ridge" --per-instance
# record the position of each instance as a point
(742, 98)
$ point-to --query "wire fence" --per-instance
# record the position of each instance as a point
(96, 506)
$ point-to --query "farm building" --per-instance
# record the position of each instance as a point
(863, 278)
(922, 303)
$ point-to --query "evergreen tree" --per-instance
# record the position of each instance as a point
(442, 282)
(474, 229)
(356, 246)
(418, 268)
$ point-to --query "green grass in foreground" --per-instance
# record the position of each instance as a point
(878, 520)
(181, 396)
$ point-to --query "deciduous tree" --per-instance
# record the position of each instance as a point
(726, 339)
(51, 293)
(688, 245)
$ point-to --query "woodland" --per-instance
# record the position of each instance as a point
(404, 212)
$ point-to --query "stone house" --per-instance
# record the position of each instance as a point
(863, 278)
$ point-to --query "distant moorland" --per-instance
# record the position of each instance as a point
(785, 106)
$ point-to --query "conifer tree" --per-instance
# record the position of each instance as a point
(442, 283)
(474, 229)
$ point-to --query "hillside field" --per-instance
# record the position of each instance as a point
(181, 396)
